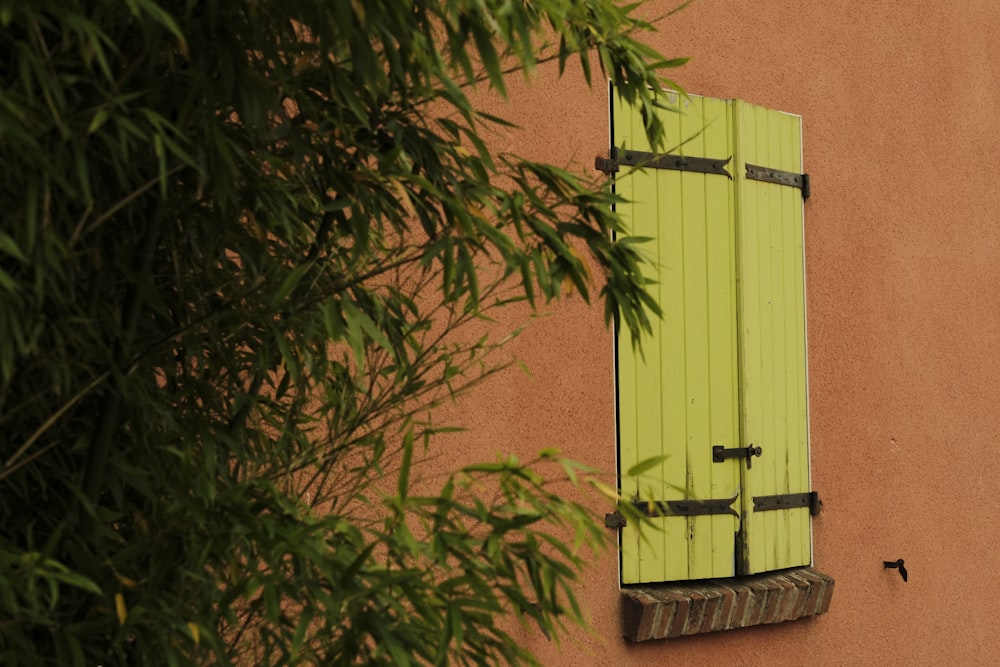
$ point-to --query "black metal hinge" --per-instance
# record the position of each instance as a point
(790, 178)
(686, 507)
(704, 165)
(621, 156)
(787, 501)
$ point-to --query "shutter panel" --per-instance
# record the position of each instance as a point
(679, 397)
(772, 339)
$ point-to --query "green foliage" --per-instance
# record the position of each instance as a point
(242, 245)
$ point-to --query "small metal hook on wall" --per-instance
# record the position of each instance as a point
(895, 565)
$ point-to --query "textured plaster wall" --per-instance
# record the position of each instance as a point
(902, 139)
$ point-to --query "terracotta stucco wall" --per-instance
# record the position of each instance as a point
(902, 126)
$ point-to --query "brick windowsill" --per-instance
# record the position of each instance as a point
(664, 611)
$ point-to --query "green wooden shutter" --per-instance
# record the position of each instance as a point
(726, 364)
(680, 396)
(772, 339)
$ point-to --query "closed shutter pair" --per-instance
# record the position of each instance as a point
(719, 390)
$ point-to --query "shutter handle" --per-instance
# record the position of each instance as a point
(720, 453)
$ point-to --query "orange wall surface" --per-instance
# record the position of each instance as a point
(901, 119)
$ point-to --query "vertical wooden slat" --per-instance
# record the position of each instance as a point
(711, 335)
(799, 528)
(772, 311)
(640, 400)
(627, 409)
(724, 363)
(695, 314)
(652, 206)
(641, 394)
(672, 264)
(749, 318)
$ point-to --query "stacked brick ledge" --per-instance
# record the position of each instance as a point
(673, 610)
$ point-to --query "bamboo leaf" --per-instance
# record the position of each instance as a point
(404, 469)
(195, 632)
(645, 465)
(121, 610)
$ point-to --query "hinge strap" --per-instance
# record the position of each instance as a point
(621, 156)
(801, 181)
(787, 501)
(686, 507)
